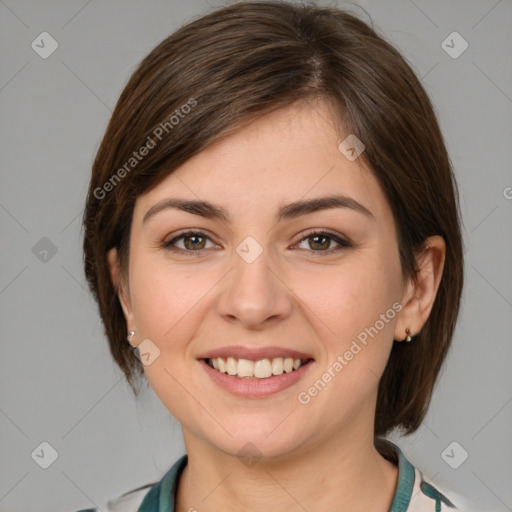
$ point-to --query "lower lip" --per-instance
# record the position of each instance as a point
(255, 388)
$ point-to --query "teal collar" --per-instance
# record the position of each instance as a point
(405, 483)
(161, 497)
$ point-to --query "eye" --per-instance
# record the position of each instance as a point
(321, 240)
(194, 241)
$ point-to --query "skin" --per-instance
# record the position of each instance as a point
(317, 456)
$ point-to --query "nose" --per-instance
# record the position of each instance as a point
(254, 293)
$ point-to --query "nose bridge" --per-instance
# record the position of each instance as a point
(253, 291)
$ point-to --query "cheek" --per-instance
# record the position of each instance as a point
(351, 298)
(355, 318)
(164, 298)
(166, 303)
(355, 306)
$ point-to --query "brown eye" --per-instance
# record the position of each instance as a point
(193, 241)
(320, 241)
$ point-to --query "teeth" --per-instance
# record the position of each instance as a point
(288, 365)
(277, 365)
(262, 369)
(231, 366)
(245, 368)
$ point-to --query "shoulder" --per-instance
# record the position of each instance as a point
(127, 502)
(146, 497)
(427, 496)
(414, 492)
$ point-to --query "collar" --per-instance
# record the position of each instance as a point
(161, 497)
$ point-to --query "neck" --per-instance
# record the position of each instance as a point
(345, 473)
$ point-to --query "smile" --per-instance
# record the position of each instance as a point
(260, 369)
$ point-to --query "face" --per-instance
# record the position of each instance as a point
(268, 282)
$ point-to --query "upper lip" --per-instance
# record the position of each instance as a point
(254, 354)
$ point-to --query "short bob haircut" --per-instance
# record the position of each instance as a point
(223, 70)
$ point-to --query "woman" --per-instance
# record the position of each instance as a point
(272, 236)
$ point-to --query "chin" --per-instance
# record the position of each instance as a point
(258, 441)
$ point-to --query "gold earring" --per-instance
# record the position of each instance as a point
(409, 337)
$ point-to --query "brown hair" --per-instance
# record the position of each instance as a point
(246, 60)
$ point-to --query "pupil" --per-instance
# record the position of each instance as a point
(315, 237)
(194, 237)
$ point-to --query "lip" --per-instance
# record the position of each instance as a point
(254, 354)
(255, 387)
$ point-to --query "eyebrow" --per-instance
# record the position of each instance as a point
(289, 211)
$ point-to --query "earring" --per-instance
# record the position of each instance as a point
(409, 337)
(130, 336)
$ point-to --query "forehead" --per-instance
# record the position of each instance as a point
(288, 155)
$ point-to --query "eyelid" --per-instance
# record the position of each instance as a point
(166, 244)
(342, 241)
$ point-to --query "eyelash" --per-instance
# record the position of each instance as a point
(168, 245)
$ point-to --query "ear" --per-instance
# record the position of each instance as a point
(420, 294)
(121, 288)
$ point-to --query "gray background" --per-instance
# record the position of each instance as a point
(57, 381)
